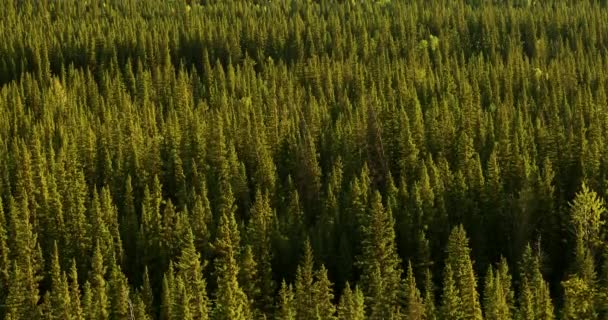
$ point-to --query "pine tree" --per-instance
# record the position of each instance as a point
(248, 276)
(139, 308)
(304, 303)
(502, 272)
(291, 231)
(379, 262)
(586, 212)
(451, 305)
(602, 288)
(231, 303)
(18, 298)
(27, 263)
(181, 303)
(119, 295)
(201, 220)
(111, 219)
(99, 308)
(495, 301)
(459, 259)
(150, 232)
(323, 295)
(581, 296)
(76, 308)
(534, 299)
(264, 174)
(78, 229)
(4, 255)
(285, 307)
(351, 306)
(190, 270)
(526, 302)
(147, 296)
(87, 301)
(167, 307)
(308, 174)
(59, 301)
(430, 310)
(100, 230)
(129, 226)
(218, 159)
(414, 306)
(379, 309)
(579, 300)
(259, 231)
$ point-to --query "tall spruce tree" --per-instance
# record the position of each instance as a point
(285, 306)
(190, 270)
(259, 232)
(323, 295)
(230, 301)
(451, 304)
(459, 260)
(304, 303)
(414, 306)
(379, 262)
(59, 301)
(534, 297)
(495, 300)
(351, 305)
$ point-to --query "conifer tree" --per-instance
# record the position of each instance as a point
(120, 302)
(190, 270)
(451, 305)
(78, 229)
(534, 299)
(430, 310)
(111, 219)
(259, 231)
(586, 212)
(464, 276)
(502, 272)
(181, 303)
(139, 308)
(75, 298)
(379, 262)
(526, 302)
(351, 306)
(288, 239)
(4, 255)
(99, 229)
(18, 298)
(147, 296)
(304, 303)
(59, 299)
(99, 307)
(285, 307)
(495, 300)
(231, 303)
(129, 226)
(201, 220)
(27, 263)
(414, 306)
(323, 295)
(248, 276)
(579, 300)
(167, 307)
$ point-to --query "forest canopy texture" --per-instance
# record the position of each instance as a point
(303, 160)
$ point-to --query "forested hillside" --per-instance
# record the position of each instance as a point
(299, 159)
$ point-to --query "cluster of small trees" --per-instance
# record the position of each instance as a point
(303, 159)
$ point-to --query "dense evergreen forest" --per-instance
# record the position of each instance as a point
(299, 159)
